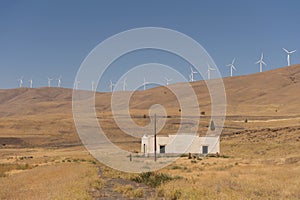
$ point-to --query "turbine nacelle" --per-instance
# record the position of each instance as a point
(232, 67)
(288, 55)
(261, 62)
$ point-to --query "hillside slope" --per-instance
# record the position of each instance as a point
(274, 92)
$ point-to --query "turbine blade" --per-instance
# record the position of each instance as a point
(263, 62)
(285, 50)
(233, 61)
(293, 51)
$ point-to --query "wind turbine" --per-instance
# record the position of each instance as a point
(208, 71)
(93, 85)
(59, 82)
(20, 82)
(76, 83)
(261, 62)
(231, 66)
(145, 83)
(192, 75)
(124, 84)
(49, 81)
(111, 86)
(168, 80)
(288, 55)
(30, 83)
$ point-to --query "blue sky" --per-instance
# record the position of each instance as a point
(41, 39)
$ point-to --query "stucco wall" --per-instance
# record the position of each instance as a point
(180, 144)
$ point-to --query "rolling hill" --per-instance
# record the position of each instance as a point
(256, 94)
(43, 116)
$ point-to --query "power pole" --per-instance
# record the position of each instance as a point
(155, 137)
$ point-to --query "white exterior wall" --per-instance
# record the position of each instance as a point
(178, 144)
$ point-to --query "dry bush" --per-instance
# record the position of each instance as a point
(129, 191)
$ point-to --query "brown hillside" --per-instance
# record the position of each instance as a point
(256, 94)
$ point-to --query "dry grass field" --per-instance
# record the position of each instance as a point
(41, 156)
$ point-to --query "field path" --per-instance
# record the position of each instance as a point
(108, 191)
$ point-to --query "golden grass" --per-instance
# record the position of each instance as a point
(7, 167)
(52, 177)
(239, 183)
(246, 174)
(129, 191)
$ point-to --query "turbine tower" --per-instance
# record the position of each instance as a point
(231, 67)
(49, 81)
(261, 62)
(111, 86)
(124, 84)
(59, 82)
(168, 80)
(288, 55)
(30, 83)
(208, 71)
(93, 85)
(76, 83)
(192, 75)
(20, 82)
(145, 83)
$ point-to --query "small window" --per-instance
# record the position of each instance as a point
(162, 149)
(204, 149)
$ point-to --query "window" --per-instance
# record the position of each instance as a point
(204, 149)
(162, 148)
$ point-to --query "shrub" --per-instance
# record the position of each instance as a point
(129, 191)
(175, 194)
(153, 179)
(176, 167)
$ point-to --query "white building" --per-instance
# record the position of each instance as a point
(179, 144)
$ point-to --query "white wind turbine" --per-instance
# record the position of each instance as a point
(168, 80)
(76, 83)
(192, 75)
(288, 55)
(111, 86)
(232, 67)
(49, 81)
(261, 62)
(20, 82)
(208, 71)
(145, 83)
(59, 82)
(124, 84)
(30, 83)
(93, 85)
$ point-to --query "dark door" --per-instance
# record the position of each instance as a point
(162, 149)
(204, 149)
(144, 148)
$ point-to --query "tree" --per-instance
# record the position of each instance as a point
(212, 125)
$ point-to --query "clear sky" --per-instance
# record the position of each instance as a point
(40, 39)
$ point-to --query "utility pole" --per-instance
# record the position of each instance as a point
(155, 137)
